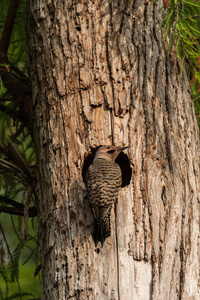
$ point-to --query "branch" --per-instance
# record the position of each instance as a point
(10, 210)
(12, 152)
(7, 31)
(19, 212)
(37, 270)
(26, 178)
(6, 200)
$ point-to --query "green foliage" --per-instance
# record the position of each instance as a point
(12, 187)
(196, 97)
(19, 258)
(19, 295)
(19, 261)
(181, 26)
(16, 51)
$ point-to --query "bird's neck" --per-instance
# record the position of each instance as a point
(105, 156)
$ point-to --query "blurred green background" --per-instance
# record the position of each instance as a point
(20, 278)
(19, 259)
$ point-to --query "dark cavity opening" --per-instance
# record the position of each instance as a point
(122, 160)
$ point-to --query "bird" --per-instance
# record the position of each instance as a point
(103, 181)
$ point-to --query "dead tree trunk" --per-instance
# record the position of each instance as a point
(100, 75)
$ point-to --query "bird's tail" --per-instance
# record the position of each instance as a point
(102, 230)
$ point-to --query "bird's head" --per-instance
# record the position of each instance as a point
(109, 152)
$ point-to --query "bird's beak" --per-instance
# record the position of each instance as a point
(122, 148)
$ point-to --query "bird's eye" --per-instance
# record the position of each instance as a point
(108, 147)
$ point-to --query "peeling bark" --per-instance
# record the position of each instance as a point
(100, 75)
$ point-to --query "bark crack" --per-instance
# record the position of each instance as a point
(112, 110)
(166, 127)
(66, 189)
(157, 43)
(117, 253)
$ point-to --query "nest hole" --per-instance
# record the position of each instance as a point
(122, 160)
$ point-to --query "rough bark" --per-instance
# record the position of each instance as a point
(100, 75)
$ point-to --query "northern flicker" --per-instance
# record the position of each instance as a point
(103, 181)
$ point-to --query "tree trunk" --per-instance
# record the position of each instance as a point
(100, 75)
